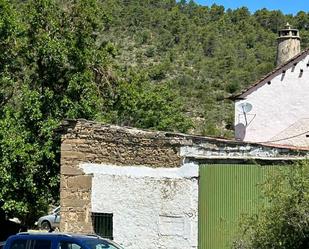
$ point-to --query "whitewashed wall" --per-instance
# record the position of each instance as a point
(152, 207)
(280, 112)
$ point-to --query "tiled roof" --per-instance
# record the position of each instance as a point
(268, 77)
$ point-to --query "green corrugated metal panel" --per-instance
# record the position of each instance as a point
(225, 193)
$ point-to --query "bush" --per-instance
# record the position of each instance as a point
(283, 219)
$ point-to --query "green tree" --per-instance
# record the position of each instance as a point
(144, 105)
(52, 54)
(57, 63)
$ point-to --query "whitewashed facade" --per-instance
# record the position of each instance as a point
(280, 106)
(153, 208)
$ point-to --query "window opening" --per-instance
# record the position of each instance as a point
(103, 224)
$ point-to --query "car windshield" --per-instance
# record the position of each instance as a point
(56, 210)
(101, 244)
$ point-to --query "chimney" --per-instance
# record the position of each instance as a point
(288, 44)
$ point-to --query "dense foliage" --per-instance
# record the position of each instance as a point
(283, 221)
(162, 65)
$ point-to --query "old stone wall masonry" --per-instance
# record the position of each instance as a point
(90, 142)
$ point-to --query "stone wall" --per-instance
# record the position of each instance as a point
(287, 49)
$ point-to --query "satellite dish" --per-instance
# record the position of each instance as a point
(244, 107)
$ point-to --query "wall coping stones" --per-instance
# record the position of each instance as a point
(188, 145)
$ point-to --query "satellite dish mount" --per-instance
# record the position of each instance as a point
(245, 108)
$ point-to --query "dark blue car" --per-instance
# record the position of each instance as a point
(58, 241)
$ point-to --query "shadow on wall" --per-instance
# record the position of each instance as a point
(240, 131)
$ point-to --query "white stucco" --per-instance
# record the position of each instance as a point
(277, 107)
(152, 207)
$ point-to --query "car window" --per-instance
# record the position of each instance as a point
(41, 244)
(100, 244)
(19, 244)
(68, 245)
(105, 246)
(56, 210)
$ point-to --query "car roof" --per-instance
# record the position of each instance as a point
(54, 235)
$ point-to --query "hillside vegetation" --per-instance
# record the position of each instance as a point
(150, 64)
(205, 53)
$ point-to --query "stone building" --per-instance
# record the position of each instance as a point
(275, 108)
(148, 189)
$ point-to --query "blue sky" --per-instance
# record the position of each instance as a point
(286, 6)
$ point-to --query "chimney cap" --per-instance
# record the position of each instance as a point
(288, 26)
(288, 32)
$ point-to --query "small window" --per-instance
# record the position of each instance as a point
(41, 244)
(68, 245)
(103, 224)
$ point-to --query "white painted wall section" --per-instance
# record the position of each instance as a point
(277, 106)
(152, 207)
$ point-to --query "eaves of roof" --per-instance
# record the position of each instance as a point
(268, 77)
